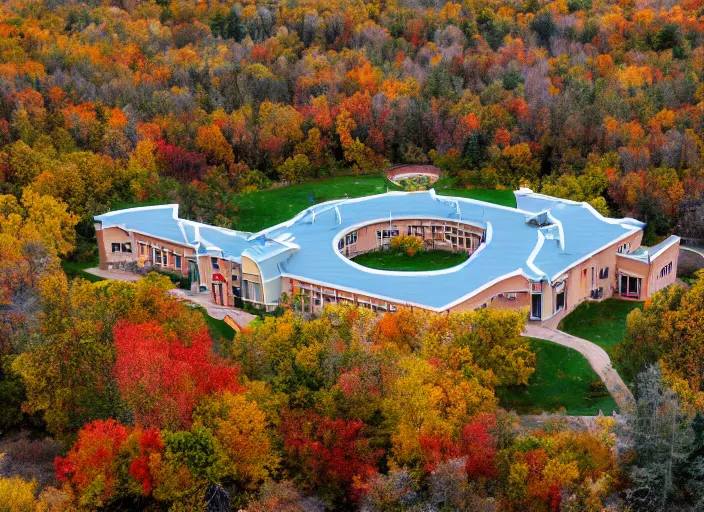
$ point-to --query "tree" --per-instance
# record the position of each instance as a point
(162, 377)
(240, 428)
(68, 372)
(90, 467)
(327, 455)
(38, 218)
(660, 437)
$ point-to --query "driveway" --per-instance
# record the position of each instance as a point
(597, 357)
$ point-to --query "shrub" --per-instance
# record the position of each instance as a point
(411, 245)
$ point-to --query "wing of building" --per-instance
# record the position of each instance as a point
(546, 255)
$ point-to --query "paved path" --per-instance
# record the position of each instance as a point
(597, 357)
(202, 299)
(220, 312)
(115, 275)
(694, 249)
(530, 422)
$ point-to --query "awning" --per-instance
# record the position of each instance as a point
(219, 277)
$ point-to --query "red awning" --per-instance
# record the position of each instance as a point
(219, 277)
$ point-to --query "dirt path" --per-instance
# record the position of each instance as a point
(597, 357)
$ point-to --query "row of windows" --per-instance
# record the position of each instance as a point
(158, 256)
(382, 235)
(118, 247)
(623, 249)
(349, 239)
(666, 270)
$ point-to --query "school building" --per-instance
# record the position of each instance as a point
(547, 255)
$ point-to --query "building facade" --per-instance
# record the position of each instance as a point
(547, 255)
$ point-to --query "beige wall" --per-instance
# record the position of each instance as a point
(657, 283)
(106, 237)
(515, 284)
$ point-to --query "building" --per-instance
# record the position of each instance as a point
(547, 255)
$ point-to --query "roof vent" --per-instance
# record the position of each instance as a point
(539, 219)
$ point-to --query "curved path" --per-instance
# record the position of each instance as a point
(597, 357)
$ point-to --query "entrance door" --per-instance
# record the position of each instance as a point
(193, 273)
(536, 306)
(630, 286)
(217, 294)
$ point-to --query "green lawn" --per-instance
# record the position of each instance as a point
(219, 331)
(73, 269)
(562, 378)
(424, 260)
(266, 208)
(603, 323)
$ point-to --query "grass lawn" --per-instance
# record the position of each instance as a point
(266, 208)
(603, 323)
(218, 329)
(73, 269)
(562, 378)
(398, 260)
(446, 186)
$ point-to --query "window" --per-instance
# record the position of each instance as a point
(560, 300)
(251, 291)
(127, 247)
(623, 249)
(166, 258)
(143, 249)
(629, 286)
(666, 270)
(340, 244)
(157, 256)
(115, 247)
(351, 238)
(215, 264)
(384, 236)
(177, 261)
(604, 273)
(415, 230)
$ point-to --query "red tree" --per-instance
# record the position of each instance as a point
(179, 163)
(148, 442)
(329, 454)
(480, 447)
(91, 460)
(162, 378)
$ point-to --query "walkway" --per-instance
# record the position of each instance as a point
(202, 299)
(219, 312)
(694, 249)
(597, 357)
(114, 275)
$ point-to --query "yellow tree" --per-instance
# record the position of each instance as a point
(241, 430)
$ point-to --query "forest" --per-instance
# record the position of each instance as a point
(126, 101)
(114, 103)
